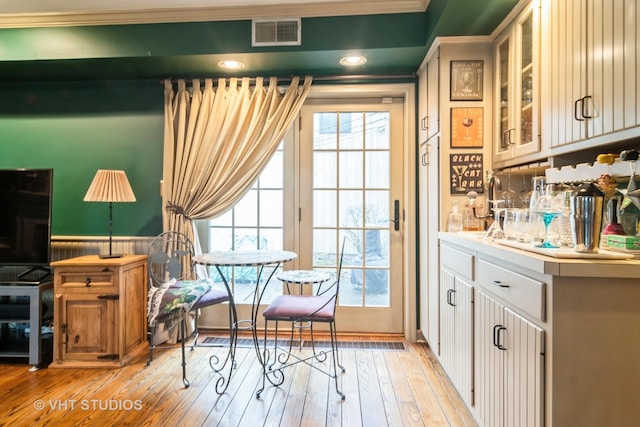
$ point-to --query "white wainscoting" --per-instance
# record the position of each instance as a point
(63, 247)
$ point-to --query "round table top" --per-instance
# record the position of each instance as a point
(244, 258)
(303, 276)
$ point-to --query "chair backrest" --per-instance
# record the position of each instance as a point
(170, 257)
(334, 288)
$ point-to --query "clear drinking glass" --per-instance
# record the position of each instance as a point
(509, 224)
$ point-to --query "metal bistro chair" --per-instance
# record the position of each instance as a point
(175, 290)
(320, 307)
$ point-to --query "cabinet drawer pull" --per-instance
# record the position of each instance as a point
(500, 283)
(87, 282)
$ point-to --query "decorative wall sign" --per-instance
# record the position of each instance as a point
(466, 173)
(466, 80)
(467, 127)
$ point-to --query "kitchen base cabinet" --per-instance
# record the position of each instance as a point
(456, 342)
(510, 367)
(556, 341)
(100, 310)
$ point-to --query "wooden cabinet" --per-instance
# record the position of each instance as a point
(509, 366)
(100, 310)
(456, 323)
(593, 73)
(517, 111)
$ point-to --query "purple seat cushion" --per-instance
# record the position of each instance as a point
(303, 307)
(214, 296)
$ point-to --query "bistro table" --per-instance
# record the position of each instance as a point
(301, 278)
(257, 258)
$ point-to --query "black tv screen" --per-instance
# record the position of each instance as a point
(25, 216)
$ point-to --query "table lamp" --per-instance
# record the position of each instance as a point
(110, 186)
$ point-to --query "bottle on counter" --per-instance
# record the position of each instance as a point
(454, 223)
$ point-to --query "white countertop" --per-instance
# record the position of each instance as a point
(568, 267)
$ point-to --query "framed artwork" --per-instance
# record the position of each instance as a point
(466, 173)
(467, 127)
(466, 80)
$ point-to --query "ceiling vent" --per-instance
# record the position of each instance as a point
(276, 32)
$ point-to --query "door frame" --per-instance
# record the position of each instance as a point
(408, 228)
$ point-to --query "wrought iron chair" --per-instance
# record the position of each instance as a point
(175, 291)
(318, 308)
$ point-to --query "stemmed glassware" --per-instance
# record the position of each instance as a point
(495, 231)
(467, 122)
(550, 207)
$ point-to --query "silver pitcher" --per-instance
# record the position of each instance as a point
(587, 206)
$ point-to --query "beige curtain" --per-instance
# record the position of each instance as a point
(217, 140)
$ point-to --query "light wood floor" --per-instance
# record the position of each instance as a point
(382, 387)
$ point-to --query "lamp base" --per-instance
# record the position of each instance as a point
(107, 256)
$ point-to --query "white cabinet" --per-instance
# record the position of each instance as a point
(429, 97)
(429, 205)
(509, 367)
(593, 73)
(517, 111)
(456, 323)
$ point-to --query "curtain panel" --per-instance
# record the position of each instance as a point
(218, 137)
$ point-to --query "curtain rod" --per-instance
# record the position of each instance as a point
(328, 78)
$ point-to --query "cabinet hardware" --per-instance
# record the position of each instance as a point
(423, 123)
(584, 114)
(575, 110)
(424, 159)
(496, 337)
(500, 283)
(87, 282)
(450, 293)
(106, 270)
(110, 296)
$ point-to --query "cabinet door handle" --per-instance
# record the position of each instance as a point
(500, 346)
(423, 123)
(575, 109)
(450, 293)
(500, 284)
(583, 112)
(424, 159)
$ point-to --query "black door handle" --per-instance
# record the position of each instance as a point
(396, 215)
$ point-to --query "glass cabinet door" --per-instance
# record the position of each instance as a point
(516, 52)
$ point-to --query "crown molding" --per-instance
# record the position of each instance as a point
(230, 13)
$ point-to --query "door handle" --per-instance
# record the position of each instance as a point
(396, 215)
(584, 113)
(575, 109)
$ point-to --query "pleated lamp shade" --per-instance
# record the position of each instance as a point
(110, 186)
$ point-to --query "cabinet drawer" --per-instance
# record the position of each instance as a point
(100, 279)
(519, 291)
(458, 261)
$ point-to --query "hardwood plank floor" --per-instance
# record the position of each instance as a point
(382, 387)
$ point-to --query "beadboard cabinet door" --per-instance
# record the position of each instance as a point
(593, 94)
(509, 367)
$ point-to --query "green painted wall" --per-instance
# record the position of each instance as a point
(77, 128)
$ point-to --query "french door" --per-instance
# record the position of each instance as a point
(350, 188)
(338, 178)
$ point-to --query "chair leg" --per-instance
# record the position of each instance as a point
(152, 345)
(196, 331)
(183, 327)
(334, 351)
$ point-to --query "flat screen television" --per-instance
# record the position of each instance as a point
(25, 217)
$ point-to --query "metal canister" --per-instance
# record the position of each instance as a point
(587, 204)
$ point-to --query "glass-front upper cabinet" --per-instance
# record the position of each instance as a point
(517, 107)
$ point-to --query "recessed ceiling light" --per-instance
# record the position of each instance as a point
(350, 61)
(231, 65)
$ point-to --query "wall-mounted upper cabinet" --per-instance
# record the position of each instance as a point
(429, 97)
(593, 93)
(517, 111)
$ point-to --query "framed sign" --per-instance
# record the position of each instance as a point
(467, 127)
(466, 173)
(466, 80)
